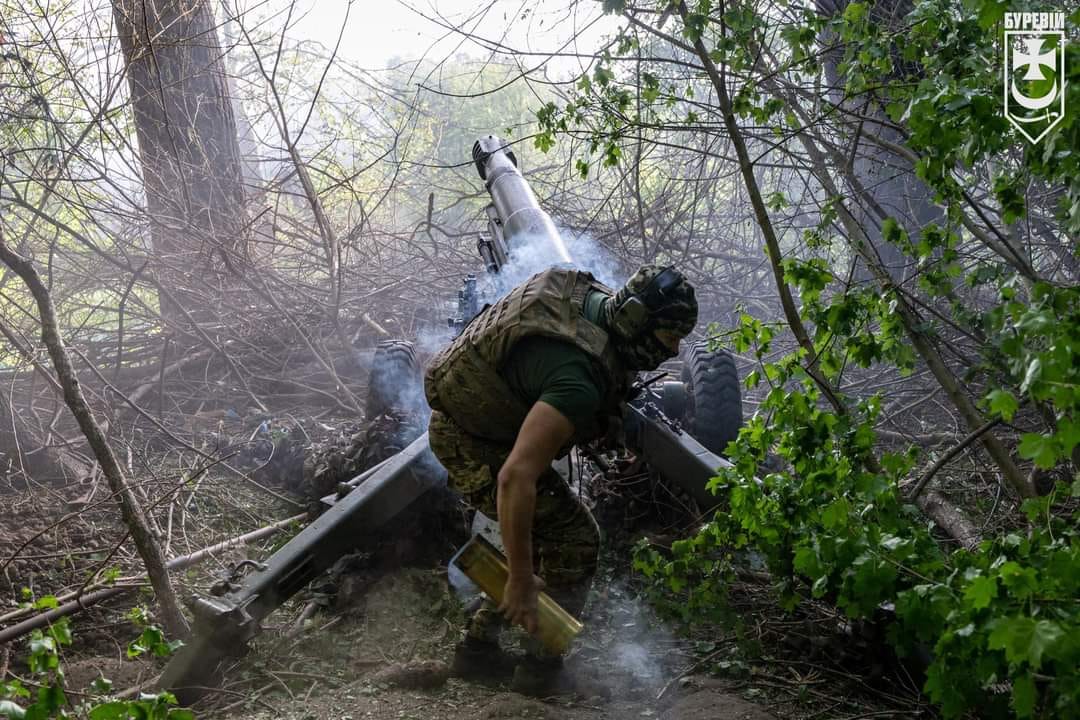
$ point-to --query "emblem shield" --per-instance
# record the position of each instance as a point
(1034, 80)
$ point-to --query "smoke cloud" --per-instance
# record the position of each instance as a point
(536, 254)
(530, 256)
(626, 649)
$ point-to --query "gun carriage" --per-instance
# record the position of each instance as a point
(678, 427)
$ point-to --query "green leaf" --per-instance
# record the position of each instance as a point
(835, 516)
(50, 698)
(1024, 696)
(855, 12)
(1024, 639)
(1067, 435)
(1003, 403)
(991, 13)
(116, 710)
(981, 591)
(60, 631)
(1019, 581)
(776, 201)
(544, 141)
(1038, 448)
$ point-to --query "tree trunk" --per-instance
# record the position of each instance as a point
(950, 518)
(187, 143)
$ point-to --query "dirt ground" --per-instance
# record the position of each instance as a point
(388, 626)
(624, 666)
(384, 630)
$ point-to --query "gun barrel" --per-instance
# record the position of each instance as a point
(524, 222)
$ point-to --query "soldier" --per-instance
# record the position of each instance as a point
(543, 369)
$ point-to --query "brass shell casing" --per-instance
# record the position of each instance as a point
(486, 567)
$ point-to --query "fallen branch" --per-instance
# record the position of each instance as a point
(134, 518)
(166, 371)
(81, 600)
(950, 518)
(953, 452)
(246, 478)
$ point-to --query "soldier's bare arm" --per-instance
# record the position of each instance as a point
(544, 431)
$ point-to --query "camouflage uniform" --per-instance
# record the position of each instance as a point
(476, 417)
(565, 538)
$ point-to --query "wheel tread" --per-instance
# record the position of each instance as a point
(395, 381)
(712, 377)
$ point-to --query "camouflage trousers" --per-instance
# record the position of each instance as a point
(565, 537)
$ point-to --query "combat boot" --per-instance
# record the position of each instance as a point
(540, 677)
(482, 661)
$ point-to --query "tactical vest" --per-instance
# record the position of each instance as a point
(463, 380)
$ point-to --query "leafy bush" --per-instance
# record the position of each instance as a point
(835, 520)
(18, 702)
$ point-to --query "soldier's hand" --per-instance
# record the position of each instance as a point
(520, 601)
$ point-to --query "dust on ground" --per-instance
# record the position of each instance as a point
(350, 666)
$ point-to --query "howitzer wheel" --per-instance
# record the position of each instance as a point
(395, 381)
(713, 397)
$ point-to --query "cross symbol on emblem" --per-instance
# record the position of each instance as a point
(1034, 59)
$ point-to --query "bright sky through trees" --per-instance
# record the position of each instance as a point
(382, 31)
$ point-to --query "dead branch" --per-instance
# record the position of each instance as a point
(81, 600)
(149, 550)
(950, 518)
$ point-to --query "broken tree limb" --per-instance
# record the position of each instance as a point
(167, 370)
(950, 518)
(953, 452)
(148, 549)
(41, 462)
(183, 443)
(217, 348)
(74, 602)
(374, 325)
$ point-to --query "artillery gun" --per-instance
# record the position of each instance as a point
(706, 402)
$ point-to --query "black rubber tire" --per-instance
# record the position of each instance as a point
(713, 397)
(395, 381)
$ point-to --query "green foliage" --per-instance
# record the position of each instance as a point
(833, 524)
(147, 707)
(1036, 342)
(152, 640)
(50, 701)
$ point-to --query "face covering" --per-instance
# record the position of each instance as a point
(645, 352)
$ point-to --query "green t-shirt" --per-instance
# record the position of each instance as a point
(559, 373)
